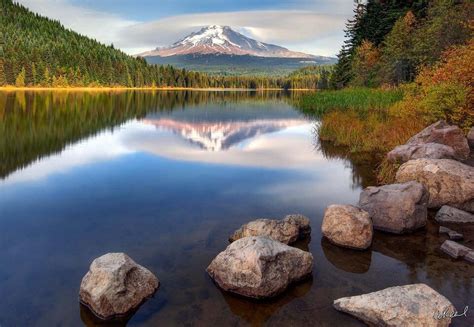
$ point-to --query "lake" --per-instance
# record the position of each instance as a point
(166, 177)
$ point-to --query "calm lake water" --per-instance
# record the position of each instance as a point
(166, 177)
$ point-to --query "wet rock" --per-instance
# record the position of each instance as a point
(470, 137)
(353, 261)
(259, 267)
(287, 231)
(409, 305)
(448, 182)
(396, 208)
(469, 257)
(116, 285)
(452, 215)
(455, 249)
(443, 133)
(453, 235)
(406, 152)
(347, 226)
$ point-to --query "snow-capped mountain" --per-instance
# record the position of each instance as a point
(216, 39)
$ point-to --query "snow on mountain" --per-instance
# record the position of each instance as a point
(216, 39)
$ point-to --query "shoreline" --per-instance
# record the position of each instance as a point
(123, 88)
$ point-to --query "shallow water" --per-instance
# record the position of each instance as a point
(166, 177)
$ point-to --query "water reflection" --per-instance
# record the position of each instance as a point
(166, 177)
(352, 261)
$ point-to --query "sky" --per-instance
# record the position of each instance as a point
(311, 26)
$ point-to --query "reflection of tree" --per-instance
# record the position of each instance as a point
(36, 124)
(362, 165)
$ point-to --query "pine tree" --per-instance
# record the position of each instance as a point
(20, 79)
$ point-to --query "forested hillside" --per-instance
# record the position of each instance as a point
(37, 51)
(389, 42)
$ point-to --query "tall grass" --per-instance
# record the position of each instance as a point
(361, 100)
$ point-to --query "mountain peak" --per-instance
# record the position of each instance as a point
(222, 39)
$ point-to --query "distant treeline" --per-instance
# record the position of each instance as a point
(37, 51)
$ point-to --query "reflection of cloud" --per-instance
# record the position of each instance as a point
(288, 149)
(98, 148)
(217, 136)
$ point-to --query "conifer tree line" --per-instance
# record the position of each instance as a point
(37, 51)
(389, 42)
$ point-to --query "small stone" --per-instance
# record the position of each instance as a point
(455, 236)
(453, 215)
(454, 249)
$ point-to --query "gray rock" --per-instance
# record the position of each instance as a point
(116, 285)
(448, 182)
(287, 231)
(469, 257)
(409, 305)
(453, 235)
(406, 152)
(455, 249)
(452, 215)
(470, 137)
(259, 267)
(396, 208)
(347, 226)
(443, 133)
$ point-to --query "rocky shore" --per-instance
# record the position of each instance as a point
(260, 261)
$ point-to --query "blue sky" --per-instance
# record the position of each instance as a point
(312, 26)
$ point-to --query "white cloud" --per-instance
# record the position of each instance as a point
(301, 29)
(317, 32)
(102, 26)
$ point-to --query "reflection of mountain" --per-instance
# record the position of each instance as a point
(218, 136)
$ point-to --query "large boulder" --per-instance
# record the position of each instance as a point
(396, 208)
(448, 182)
(409, 305)
(406, 152)
(287, 231)
(450, 215)
(259, 267)
(347, 226)
(443, 133)
(116, 285)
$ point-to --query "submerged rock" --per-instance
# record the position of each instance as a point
(116, 285)
(448, 182)
(452, 215)
(347, 226)
(259, 267)
(406, 152)
(409, 305)
(396, 208)
(455, 249)
(287, 231)
(443, 133)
